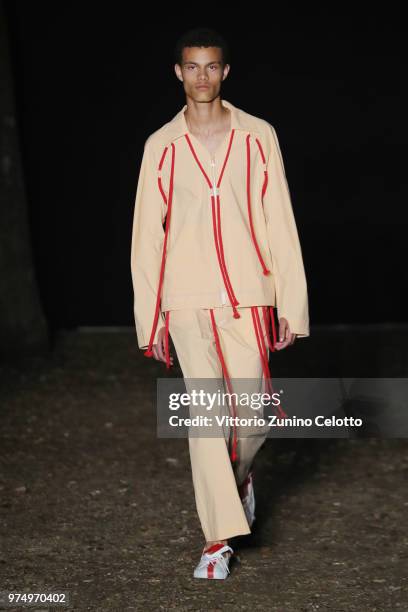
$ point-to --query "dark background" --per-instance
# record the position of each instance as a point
(92, 501)
(93, 81)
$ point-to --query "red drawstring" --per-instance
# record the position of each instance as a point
(235, 301)
(265, 313)
(234, 455)
(268, 315)
(166, 339)
(264, 355)
(159, 175)
(254, 312)
(227, 284)
(217, 232)
(273, 327)
(265, 171)
(221, 249)
(149, 352)
(264, 268)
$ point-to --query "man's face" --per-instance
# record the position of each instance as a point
(202, 72)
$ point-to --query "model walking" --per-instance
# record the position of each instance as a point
(214, 249)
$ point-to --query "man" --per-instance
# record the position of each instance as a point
(214, 249)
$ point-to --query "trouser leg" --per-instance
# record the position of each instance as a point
(215, 479)
(242, 358)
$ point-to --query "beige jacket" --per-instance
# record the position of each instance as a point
(214, 231)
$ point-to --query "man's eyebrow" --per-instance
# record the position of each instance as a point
(196, 63)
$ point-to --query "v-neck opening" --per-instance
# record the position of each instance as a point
(218, 149)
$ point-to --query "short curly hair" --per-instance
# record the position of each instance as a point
(201, 37)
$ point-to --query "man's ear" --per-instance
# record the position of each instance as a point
(177, 70)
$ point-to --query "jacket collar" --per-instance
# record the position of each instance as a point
(240, 120)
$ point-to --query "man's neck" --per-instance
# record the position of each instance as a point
(207, 118)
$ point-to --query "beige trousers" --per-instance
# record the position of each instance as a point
(215, 477)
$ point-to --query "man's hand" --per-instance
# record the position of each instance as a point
(286, 338)
(159, 348)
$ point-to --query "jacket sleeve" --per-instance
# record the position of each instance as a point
(284, 245)
(146, 247)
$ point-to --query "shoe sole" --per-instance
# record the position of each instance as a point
(212, 577)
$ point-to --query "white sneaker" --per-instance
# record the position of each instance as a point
(213, 564)
(247, 495)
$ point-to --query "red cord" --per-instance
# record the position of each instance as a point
(234, 455)
(149, 352)
(264, 268)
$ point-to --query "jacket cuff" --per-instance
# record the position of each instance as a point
(143, 335)
(300, 328)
